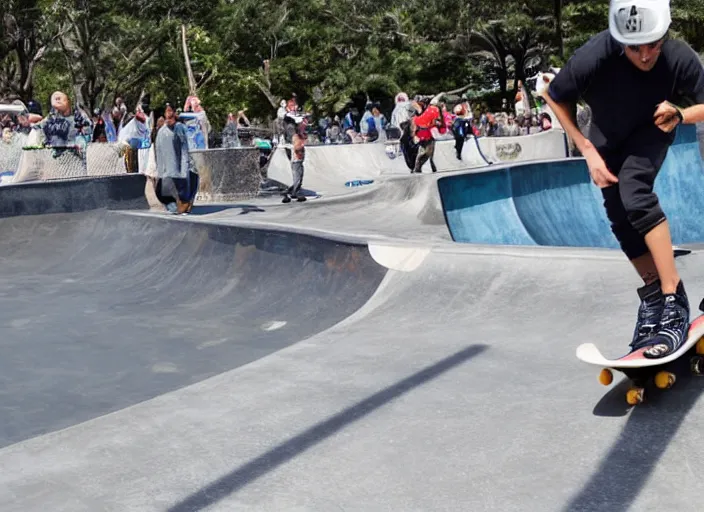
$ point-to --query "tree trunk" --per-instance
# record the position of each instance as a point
(24, 82)
(191, 80)
(558, 28)
(502, 73)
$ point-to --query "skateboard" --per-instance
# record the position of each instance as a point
(640, 369)
(358, 183)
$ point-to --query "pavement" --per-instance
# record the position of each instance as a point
(339, 354)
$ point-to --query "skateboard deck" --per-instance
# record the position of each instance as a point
(640, 369)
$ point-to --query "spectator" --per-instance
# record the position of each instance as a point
(400, 117)
(367, 126)
(177, 182)
(379, 122)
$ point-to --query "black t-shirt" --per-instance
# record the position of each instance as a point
(623, 98)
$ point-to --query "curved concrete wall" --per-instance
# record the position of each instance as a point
(555, 203)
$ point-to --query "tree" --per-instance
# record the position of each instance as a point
(106, 51)
(557, 11)
(29, 29)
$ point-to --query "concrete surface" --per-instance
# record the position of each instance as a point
(145, 366)
(328, 168)
(555, 202)
(78, 195)
(102, 323)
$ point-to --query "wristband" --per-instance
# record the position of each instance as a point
(680, 116)
(678, 113)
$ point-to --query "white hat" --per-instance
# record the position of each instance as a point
(639, 21)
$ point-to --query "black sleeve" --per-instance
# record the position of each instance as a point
(689, 75)
(573, 80)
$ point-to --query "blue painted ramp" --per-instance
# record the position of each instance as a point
(555, 203)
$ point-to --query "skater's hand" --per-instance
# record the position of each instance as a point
(667, 116)
(600, 174)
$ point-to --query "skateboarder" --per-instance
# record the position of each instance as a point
(427, 117)
(636, 81)
(297, 156)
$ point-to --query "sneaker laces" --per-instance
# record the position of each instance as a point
(648, 318)
(669, 334)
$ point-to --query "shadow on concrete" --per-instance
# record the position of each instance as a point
(613, 403)
(269, 461)
(215, 208)
(623, 473)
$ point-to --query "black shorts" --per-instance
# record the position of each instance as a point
(631, 205)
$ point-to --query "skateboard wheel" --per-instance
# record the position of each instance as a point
(635, 396)
(700, 347)
(665, 380)
(696, 364)
(606, 377)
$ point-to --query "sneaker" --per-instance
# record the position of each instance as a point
(286, 199)
(301, 199)
(673, 327)
(181, 207)
(649, 313)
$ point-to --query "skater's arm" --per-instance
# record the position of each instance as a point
(693, 114)
(667, 116)
(689, 85)
(600, 174)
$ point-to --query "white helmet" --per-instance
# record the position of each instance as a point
(639, 21)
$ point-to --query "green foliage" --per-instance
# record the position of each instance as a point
(583, 20)
(250, 54)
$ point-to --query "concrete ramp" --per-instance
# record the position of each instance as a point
(337, 354)
(555, 203)
(454, 387)
(101, 311)
(77, 195)
(548, 145)
(328, 168)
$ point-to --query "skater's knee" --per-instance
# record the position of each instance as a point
(643, 211)
(632, 243)
(631, 240)
(636, 181)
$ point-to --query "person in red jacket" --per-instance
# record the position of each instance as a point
(427, 117)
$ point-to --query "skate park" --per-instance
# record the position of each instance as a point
(403, 345)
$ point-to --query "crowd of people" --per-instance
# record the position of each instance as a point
(374, 126)
(144, 134)
(415, 123)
